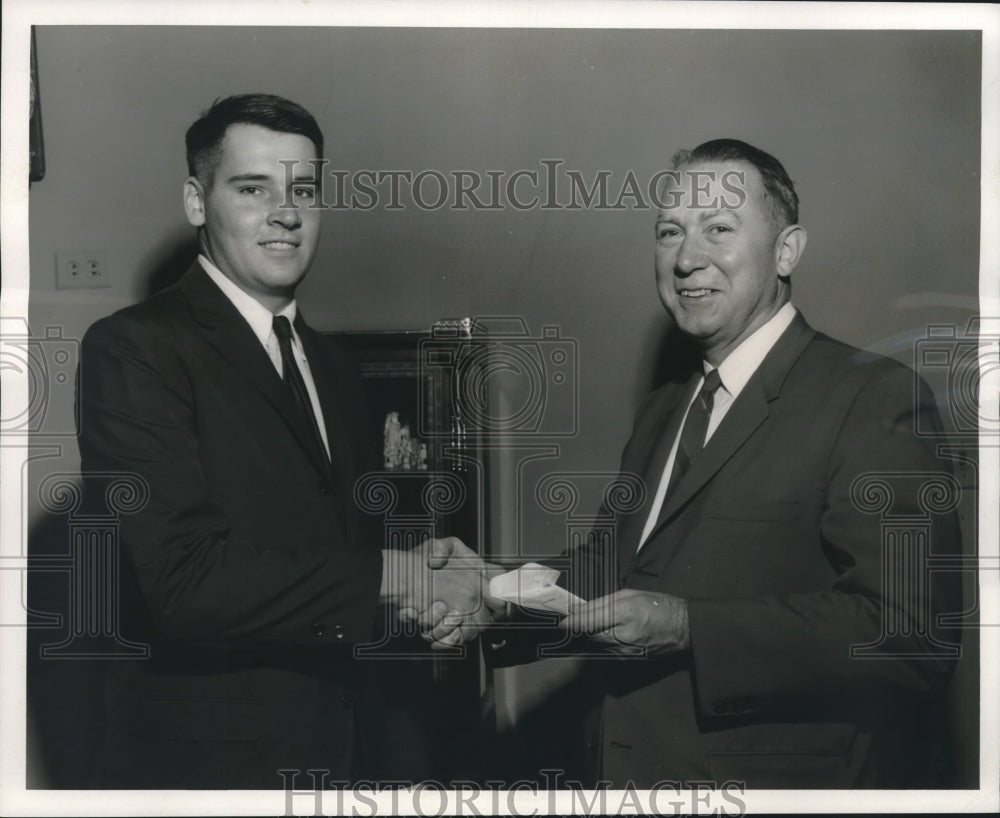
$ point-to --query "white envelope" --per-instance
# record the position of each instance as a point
(533, 586)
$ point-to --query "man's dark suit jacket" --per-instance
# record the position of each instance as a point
(780, 553)
(248, 571)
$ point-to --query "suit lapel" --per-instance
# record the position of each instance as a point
(341, 468)
(650, 460)
(742, 419)
(324, 374)
(746, 414)
(227, 331)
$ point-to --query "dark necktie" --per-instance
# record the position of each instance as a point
(695, 426)
(293, 378)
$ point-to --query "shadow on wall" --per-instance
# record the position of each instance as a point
(65, 694)
(676, 357)
(168, 261)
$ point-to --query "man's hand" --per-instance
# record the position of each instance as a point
(442, 585)
(624, 620)
(444, 625)
(444, 628)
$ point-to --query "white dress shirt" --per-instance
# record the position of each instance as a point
(734, 372)
(261, 321)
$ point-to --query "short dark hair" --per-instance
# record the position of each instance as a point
(778, 187)
(203, 140)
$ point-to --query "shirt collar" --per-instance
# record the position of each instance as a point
(740, 364)
(254, 313)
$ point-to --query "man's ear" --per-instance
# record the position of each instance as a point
(194, 202)
(788, 249)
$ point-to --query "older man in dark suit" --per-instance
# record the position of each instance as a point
(773, 629)
(249, 571)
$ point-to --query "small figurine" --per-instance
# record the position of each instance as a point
(422, 457)
(391, 441)
(405, 448)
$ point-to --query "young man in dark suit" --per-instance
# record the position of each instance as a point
(777, 576)
(248, 570)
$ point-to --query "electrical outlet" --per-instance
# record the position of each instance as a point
(82, 269)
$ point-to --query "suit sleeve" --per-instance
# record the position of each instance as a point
(759, 653)
(195, 579)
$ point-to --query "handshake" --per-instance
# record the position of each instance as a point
(442, 586)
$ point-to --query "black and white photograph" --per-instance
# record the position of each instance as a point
(513, 408)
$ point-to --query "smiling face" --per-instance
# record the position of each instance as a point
(254, 217)
(720, 258)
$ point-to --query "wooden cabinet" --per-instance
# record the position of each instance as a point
(442, 493)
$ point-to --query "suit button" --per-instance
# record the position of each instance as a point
(720, 709)
(338, 631)
(319, 629)
(324, 487)
(347, 701)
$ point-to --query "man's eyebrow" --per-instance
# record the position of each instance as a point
(249, 177)
(711, 214)
(263, 177)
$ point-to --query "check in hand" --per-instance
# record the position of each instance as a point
(627, 619)
(445, 592)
